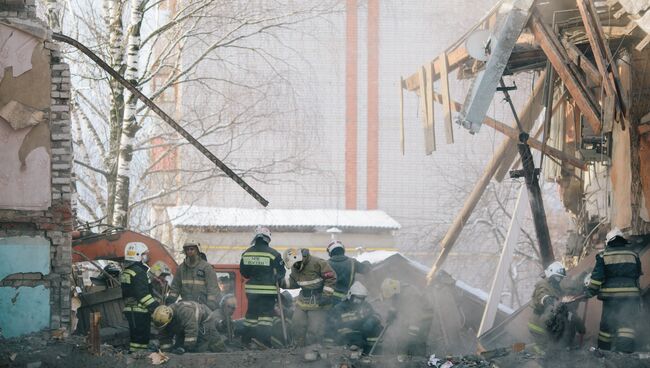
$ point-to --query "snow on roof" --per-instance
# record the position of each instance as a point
(195, 216)
(382, 255)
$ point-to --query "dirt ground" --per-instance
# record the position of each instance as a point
(42, 350)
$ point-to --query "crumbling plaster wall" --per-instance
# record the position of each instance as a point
(35, 175)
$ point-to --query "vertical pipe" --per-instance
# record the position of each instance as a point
(373, 105)
(351, 105)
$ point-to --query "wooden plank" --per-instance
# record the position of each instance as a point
(600, 49)
(554, 52)
(642, 45)
(455, 57)
(621, 177)
(429, 141)
(94, 338)
(431, 124)
(446, 98)
(99, 297)
(401, 113)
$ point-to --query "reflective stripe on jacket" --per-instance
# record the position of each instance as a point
(616, 273)
(346, 269)
(314, 277)
(136, 289)
(262, 266)
(196, 283)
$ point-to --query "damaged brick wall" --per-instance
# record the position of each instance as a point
(35, 242)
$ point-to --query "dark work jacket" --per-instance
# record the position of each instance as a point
(263, 267)
(136, 289)
(616, 273)
(346, 268)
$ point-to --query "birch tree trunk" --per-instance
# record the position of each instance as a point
(116, 41)
(130, 125)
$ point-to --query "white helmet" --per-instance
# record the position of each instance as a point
(555, 269)
(262, 232)
(192, 243)
(357, 289)
(291, 256)
(334, 245)
(614, 233)
(136, 252)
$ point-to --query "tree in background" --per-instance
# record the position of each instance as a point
(187, 56)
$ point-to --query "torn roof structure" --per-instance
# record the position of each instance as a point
(588, 113)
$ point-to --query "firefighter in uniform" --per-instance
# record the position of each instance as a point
(193, 327)
(316, 279)
(354, 321)
(414, 319)
(195, 279)
(138, 299)
(615, 279)
(345, 267)
(263, 267)
(551, 320)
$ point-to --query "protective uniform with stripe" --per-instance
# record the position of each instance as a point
(615, 279)
(316, 279)
(191, 326)
(264, 268)
(345, 267)
(414, 318)
(551, 320)
(138, 299)
(354, 321)
(195, 279)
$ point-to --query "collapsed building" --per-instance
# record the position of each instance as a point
(587, 114)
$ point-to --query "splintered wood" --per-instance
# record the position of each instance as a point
(94, 339)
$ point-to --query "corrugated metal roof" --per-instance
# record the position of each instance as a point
(220, 217)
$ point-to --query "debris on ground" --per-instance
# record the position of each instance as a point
(46, 350)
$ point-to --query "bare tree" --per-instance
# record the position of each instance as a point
(228, 55)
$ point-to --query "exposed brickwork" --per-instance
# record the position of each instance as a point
(55, 223)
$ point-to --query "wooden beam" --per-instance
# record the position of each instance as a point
(530, 111)
(461, 218)
(401, 113)
(579, 59)
(556, 55)
(429, 136)
(446, 98)
(431, 123)
(600, 49)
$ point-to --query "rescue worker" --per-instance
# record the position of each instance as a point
(345, 267)
(263, 267)
(188, 326)
(316, 279)
(223, 316)
(225, 285)
(551, 320)
(354, 321)
(139, 302)
(412, 313)
(615, 279)
(277, 332)
(195, 279)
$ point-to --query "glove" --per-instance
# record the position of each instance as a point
(589, 292)
(153, 346)
(179, 351)
(170, 300)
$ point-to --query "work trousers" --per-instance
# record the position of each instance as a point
(617, 323)
(210, 339)
(259, 318)
(139, 330)
(308, 326)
